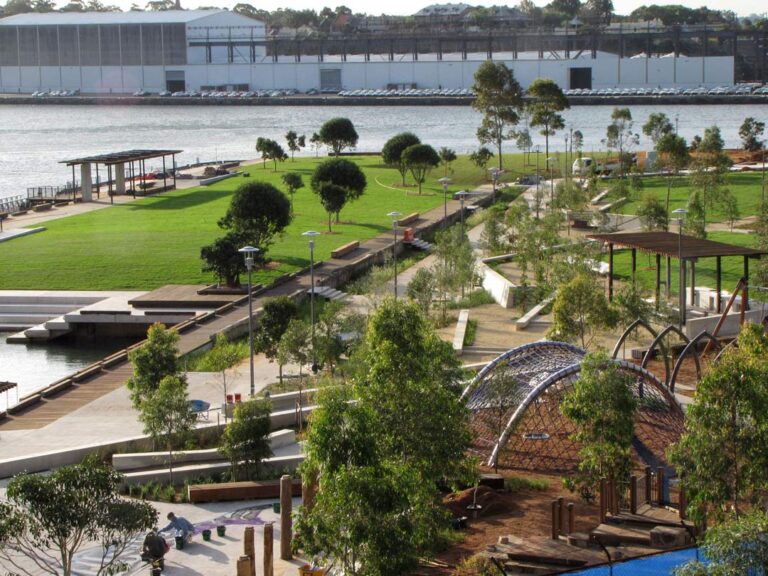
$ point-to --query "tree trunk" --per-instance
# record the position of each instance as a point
(329, 222)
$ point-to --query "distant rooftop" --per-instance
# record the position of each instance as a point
(85, 18)
(444, 10)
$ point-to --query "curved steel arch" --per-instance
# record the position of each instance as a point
(691, 346)
(628, 331)
(659, 341)
(566, 372)
(731, 344)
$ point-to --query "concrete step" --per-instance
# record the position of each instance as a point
(421, 244)
(615, 535)
(32, 308)
(30, 319)
(59, 324)
(329, 293)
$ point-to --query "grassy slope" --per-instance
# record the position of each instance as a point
(156, 241)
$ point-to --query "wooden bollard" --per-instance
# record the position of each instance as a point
(683, 503)
(269, 542)
(571, 518)
(555, 520)
(603, 499)
(244, 566)
(249, 548)
(614, 496)
(633, 494)
(286, 523)
(660, 485)
(561, 515)
(648, 484)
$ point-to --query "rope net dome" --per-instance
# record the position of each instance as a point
(516, 418)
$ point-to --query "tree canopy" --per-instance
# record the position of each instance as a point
(420, 159)
(152, 361)
(245, 441)
(257, 213)
(338, 134)
(342, 173)
(548, 102)
(392, 152)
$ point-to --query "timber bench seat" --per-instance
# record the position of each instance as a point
(346, 249)
(230, 491)
(42, 207)
(410, 219)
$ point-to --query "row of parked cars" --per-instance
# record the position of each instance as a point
(735, 90)
(412, 92)
(47, 93)
(223, 94)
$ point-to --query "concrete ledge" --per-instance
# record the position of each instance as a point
(461, 331)
(523, 322)
(214, 179)
(410, 219)
(11, 234)
(345, 249)
(502, 290)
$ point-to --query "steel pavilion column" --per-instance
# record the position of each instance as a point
(745, 304)
(718, 274)
(634, 265)
(610, 272)
(658, 279)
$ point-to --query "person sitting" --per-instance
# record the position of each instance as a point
(154, 548)
(183, 527)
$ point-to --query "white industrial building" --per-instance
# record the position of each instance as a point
(176, 50)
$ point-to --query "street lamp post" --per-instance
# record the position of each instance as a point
(445, 181)
(550, 161)
(538, 178)
(394, 216)
(681, 212)
(249, 252)
(311, 234)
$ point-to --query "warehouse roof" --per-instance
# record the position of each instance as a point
(136, 17)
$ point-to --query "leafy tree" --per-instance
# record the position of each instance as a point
(13, 7)
(46, 519)
(224, 354)
(603, 9)
(223, 259)
(695, 220)
(737, 546)
(673, 156)
(481, 157)
(500, 393)
(548, 102)
(295, 343)
(709, 177)
(338, 134)
(315, 142)
(342, 173)
(420, 159)
(723, 456)
(602, 407)
(455, 264)
(292, 139)
(421, 289)
(167, 417)
(447, 156)
(652, 214)
(257, 213)
(568, 7)
(492, 237)
(498, 97)
(578, 141)
(731, 209)
(270, 150)
(152, 361)
(245, 441)
(392, 152)
(329, 346)
(333, 198)
(293, 182)
(271, 325)
(657, 126)
(619, 136)
(750, 132)
(630, 305)
(524, 142)
(580, 311)
(761, 230)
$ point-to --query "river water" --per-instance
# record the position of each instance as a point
(35, 138)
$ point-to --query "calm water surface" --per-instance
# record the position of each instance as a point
(33, 139)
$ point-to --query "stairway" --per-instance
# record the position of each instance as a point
(328, 293)
(421, 244)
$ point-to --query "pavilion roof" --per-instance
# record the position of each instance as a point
(5, 386)
(119, 157)
(673, 245)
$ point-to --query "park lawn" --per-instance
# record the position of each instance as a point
(732, 266)
(156, 241)
(745, 186)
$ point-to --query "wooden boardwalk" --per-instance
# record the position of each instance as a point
(54, 406)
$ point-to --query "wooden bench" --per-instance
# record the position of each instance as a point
(43, 207)
(19, 212)
(231, 491)
(410, 219)
(346, 249)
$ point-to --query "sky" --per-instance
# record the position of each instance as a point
(405, 7)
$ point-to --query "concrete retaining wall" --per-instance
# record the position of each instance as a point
(730, 327)
(502, 290)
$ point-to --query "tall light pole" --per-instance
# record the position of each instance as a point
(538, 178)
(550, 161)
(311, 234)
(565, 166)
(681, 212)
(394, 216)
(249, 252)
(445, 181)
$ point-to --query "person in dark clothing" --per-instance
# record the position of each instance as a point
(154, 549)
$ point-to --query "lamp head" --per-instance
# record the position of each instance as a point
(248, 252)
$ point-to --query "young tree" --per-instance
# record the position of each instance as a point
(245, 441)
(578, 141)
(481, 157)
(652, 214)
(152, 361)
(316, 143)
(338, 134)
(420, 159)
(619, 136)
(329, 346)
(602, 407)
(257, 213)
(333, 198)
(292, 139)
(223, 259)
(271, 150)
(421, 289)
(455, 265)
(750, 132)
(500, 394)
(224, 354)
(524, 142)
(548, 102)
(498, 97)
(447, 156)
(657, 126)
(580, 311)
(295, 344)
(343, 173)
(709, 177)
(271, 325)
(673, 156)
(392, 152)
(167, 416)
(293, 182)
(492, 237)
(723, 456)
(47, 518)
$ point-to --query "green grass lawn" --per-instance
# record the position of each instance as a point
(732, 266)
(156, 241)
(745, 186)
